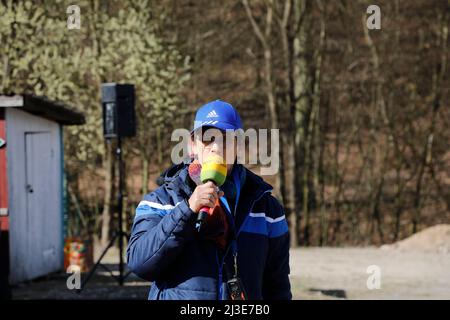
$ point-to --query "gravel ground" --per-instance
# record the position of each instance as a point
(340, 272)
(316, 274)
(101, 286)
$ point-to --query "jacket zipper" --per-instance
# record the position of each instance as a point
(220, 265)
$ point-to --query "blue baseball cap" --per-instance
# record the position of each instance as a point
(217, 114)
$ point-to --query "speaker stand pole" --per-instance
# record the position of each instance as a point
(120, 234)
(119, 206)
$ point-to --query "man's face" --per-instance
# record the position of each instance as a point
(210, 141)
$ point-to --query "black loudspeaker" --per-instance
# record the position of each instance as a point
(118, 110)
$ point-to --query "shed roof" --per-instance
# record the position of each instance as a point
(43, 107)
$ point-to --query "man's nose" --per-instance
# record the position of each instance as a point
(215, 147)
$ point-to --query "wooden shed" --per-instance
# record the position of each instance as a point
(31, 185)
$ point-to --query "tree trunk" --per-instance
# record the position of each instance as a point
(285, 27)
(303, 100)
(145, 162)
(438, 79)
(265, 40)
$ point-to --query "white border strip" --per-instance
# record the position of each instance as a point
(268, 219)
(158, 205)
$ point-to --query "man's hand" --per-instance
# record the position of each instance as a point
(205, 195)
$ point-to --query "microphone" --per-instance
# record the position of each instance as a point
(214, 169)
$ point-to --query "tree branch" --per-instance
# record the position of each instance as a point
(255, 26)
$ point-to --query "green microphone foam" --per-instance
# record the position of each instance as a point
(214, 169)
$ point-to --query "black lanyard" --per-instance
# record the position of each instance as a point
(233, 244)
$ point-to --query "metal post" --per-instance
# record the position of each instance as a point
(120, 207)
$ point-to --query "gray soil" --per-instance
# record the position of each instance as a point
(415, 268)
(336, 273)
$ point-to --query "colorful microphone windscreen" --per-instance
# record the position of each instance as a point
(214, 169)
(194, 170)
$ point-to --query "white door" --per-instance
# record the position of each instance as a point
(43, 219)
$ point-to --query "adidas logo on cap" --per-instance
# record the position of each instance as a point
(212, 114)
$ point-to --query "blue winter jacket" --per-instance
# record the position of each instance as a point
(165, 247)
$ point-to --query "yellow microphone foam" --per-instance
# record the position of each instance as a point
(214, 169)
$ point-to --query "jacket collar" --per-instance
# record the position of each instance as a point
(254, 185)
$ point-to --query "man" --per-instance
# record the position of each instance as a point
(242, 251)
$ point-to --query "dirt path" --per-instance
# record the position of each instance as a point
(316, 273)
(404, 275)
